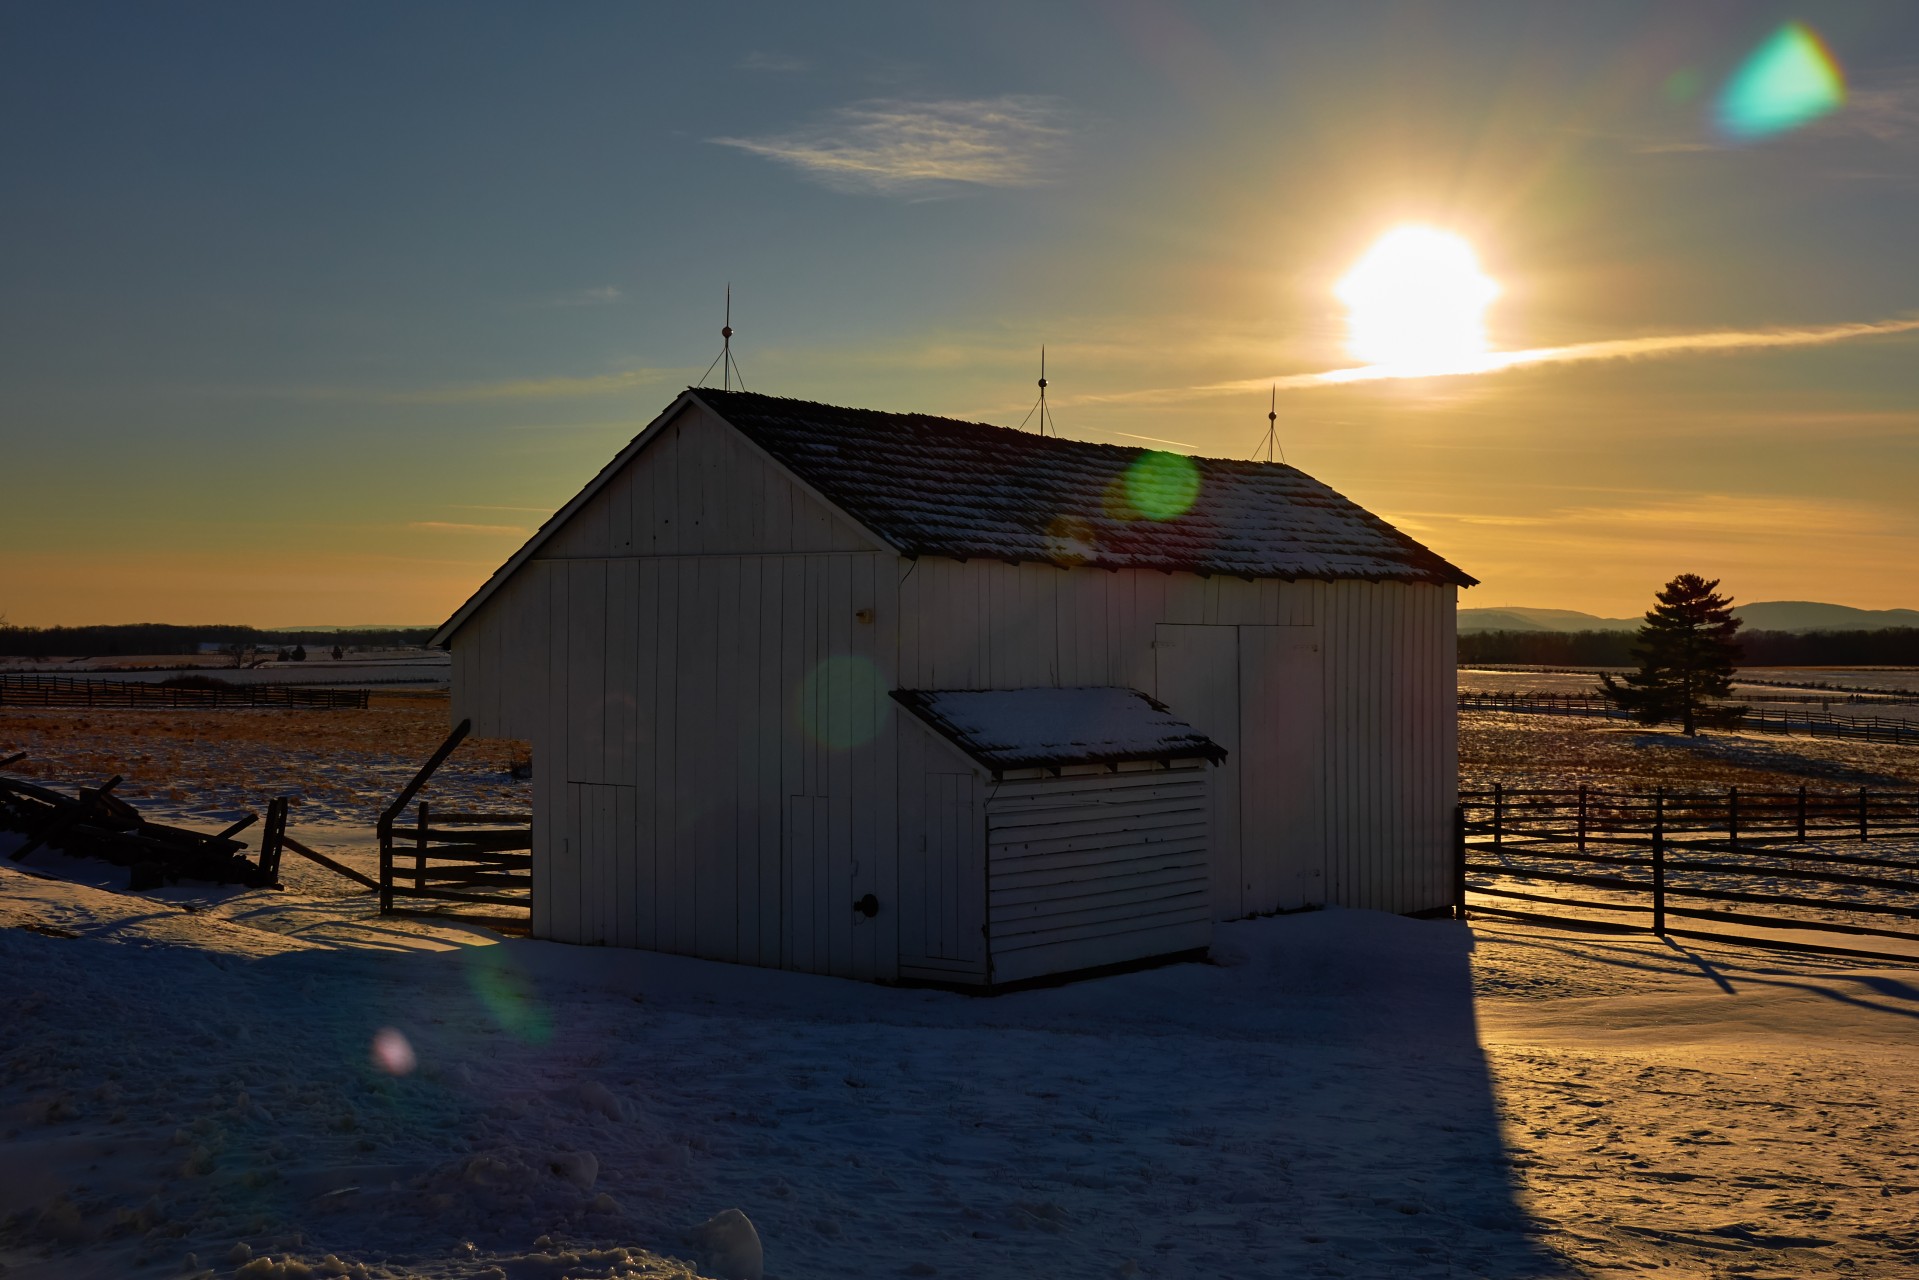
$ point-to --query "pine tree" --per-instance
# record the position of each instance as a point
(1685, 653)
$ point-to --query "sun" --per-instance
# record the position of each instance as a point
(1417, 301)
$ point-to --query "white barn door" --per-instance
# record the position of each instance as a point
(1282, 757)
(1198, 678)
(1256, 691)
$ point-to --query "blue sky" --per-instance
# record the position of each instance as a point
(310, 312)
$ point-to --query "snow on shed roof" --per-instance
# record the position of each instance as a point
(1042, 728)
(944, 487)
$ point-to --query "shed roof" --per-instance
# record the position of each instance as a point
(945, 487)
(1045, 728)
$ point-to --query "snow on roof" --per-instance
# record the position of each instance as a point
(939, 486)
(1042, 728)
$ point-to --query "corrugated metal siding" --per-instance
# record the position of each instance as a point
(1096, 869)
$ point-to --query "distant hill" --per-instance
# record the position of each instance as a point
(1771, 615)
(1804, 615)
(1515, 618)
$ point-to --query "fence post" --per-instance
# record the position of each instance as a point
(386, 865)
(1659, 880)
(1459, 862)
(419, 851)
(1732, 818)
(1862, 814)
(1499, 810)
(1802, 812)
(1582, 817)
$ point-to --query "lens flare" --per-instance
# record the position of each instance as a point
(1790, 80)
(391, 1053)
(1161, 486)
(1417, 300)
(843, 701)
(508, 995)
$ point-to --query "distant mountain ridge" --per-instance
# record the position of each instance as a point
(1768, 615)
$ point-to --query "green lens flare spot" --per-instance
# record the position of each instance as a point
(1790, 80)
(1162, 486)
(843, 701)
(508, 996)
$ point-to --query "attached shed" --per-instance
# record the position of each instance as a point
(753, 655)
(1079, 839)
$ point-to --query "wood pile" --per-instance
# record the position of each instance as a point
(98, 824)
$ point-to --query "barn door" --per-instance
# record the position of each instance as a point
(1198, 678)
(1281, 768)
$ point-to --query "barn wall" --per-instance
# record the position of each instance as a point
(715, 775)
(1389, 765)
(500, 659)
(1392, 744)
(941, 841)
(698, 487)
(1097, 868)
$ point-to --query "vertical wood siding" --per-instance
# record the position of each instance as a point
(690, 654)
(699, 488)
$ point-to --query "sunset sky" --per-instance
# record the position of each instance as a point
(309, 314)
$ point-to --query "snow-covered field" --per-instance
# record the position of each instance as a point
(1523, 750)
(1341, 1093)
(215, 1081)
(421, 669)
(1790, 681)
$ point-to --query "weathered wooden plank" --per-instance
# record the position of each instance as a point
(1027, 924)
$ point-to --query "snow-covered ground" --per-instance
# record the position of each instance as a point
(218, 1084)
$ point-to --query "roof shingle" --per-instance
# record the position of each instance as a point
(966, 490)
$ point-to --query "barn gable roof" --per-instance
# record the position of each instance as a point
(944, 487)
(1047, 728)
(926, 485)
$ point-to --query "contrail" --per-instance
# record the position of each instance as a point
(1496, 361)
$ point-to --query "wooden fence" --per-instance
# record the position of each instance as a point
(1817, 724)
(445, 857)
(73, 691)
(469, 858)
(1666, 855)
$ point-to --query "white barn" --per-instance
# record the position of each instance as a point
(893, 696)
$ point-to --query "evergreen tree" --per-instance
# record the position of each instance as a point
(1685, 653)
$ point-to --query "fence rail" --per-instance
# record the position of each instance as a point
(70, 691)
(1815, 724)
(1663, 855)
(471, 858)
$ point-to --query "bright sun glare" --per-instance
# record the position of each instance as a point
(1417, 301)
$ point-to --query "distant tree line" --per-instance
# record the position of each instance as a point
(164, 638)
(1898, 647)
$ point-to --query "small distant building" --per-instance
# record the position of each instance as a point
(894, 696)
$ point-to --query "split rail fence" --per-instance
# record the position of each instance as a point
(462, 858)
(1587, 856)
(1816, 724)
(72, 691)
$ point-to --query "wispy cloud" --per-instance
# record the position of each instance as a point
(603, 295)
(448, 526)
(781, 63)
(1648, 348)
(896, 147)
(1886, 111)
